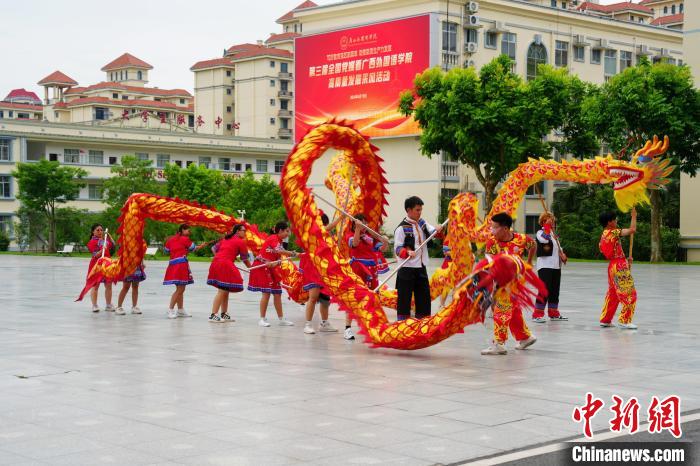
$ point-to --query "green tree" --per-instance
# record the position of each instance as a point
(196, 183)
(132, 176)
(644, 101)
(261, 199)
(44, 185)
(492, 121)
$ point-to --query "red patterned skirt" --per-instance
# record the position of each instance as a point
(224, 275)
(264, 279)
(178, 272)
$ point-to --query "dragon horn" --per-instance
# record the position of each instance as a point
(644, 149)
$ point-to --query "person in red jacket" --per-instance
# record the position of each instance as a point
(223, 273)
(96, 245)
(178, 272)
(266, 279)
(620, 283)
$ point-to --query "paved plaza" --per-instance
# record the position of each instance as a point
(83, 388)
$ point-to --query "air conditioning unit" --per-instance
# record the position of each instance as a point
(538, 39)
(472, 7)
(473, 21)
(643, 50)
(500, 27)
(469, 64)
(604, 44)
(471, 47)
(665, 53)
(579, 39)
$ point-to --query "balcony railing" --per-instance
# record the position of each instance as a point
(285, 94)
(285, 75)
(285, 132)
(449, 59)
(450, 171)
(284, 113)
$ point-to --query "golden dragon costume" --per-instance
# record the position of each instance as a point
(363, 190)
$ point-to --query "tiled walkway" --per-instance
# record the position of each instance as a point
(83, 388)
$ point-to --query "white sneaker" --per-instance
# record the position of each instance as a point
(183, 313)
(285, 323)
(136, 310)
(326, 327)
(539, 320)
(607, 324)
(95, 308)
(120, 311)
(496, 349)
(308, 329)
(109, 308)
(263, 323)
(172, 314)
(348, 335)
(629, 326)
(525, 343)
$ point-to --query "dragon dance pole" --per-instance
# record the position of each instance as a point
(348, 215)
(104, 242)
(409, 258)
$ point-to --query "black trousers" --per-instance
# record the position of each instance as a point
(552, 279)
(413, 283)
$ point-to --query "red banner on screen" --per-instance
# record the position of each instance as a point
(359, 74)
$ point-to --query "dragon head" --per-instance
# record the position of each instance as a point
(646, 171)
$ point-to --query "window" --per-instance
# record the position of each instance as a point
(228, 73)
(5, 154)
(162, 160)
(228, 109)
(237, 167)
(101, 113)
(553, 3)
(272, 102)
(142, 156)
(561, 53)
(284, 86)
(272, 83)
(115, 95)
(508, 44)
(563, 5)
(579, 53)
(272, 63)
(53, 157)
(595, 56)
(625, 60)
(490, 39)
(5, 186)
(471, 35)
(182, 101)
(610, 66)
(224, 163)
(190, 121)
(112, 160)
(261, 166)
(189, 162)
(2, 114)
(532, 224)
(680, 8)
(272, 121)
(673, 9)
(228, 91)
(665, 10)
(284, 123)
(96, 157)
(178, 163)
(126, 74)
(536, 55)
(279, 165)
(71, 156)
(6, 225)
(228, 126)
(125, 97)
(284, 67)
(156, 99)
(536, 189)
(449, 37)
(139, 75)
(284, 104)
(205, 162)
(94, 192)
(23, 116)
(248, 167)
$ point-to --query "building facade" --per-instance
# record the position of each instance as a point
(468, 33)
(96, 149)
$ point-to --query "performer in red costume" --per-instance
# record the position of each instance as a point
(620, 283)
(223, 274)
(266, 279)
(178, 272)
(505, 315)
(96, 245)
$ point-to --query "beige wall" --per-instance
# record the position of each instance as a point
(211, 99)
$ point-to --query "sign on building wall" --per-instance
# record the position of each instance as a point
(359, 73)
